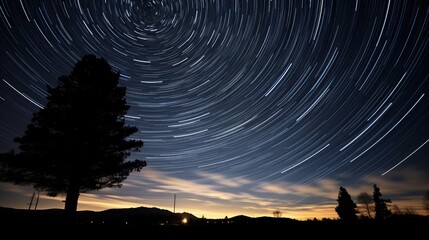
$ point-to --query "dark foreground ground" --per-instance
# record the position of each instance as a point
(48, 224)
(301, 230)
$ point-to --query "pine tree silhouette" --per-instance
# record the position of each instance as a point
(78, 142)
(346, 208)
(381, 210)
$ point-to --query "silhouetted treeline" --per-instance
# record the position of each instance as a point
(374, 205)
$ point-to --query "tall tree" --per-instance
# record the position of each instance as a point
(346, 208)
(381, 210)
(366, 200)
(79, 141)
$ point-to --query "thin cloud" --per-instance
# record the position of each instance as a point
(220, 196)
(223, 180)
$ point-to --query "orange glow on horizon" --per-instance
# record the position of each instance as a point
(212, 202)
(217, 212)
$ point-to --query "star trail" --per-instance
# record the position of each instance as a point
(244, 107)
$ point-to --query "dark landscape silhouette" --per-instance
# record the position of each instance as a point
(159, 223)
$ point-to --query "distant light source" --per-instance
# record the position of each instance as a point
(184, 220)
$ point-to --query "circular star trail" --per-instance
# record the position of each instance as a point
(295, 91)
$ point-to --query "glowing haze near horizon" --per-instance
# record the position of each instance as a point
(244, 107)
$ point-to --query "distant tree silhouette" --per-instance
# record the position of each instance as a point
(346, 208)
(79, 141)
(366, 200)
(396, 210)
(426, 201)
(381, 210)
(277, 214)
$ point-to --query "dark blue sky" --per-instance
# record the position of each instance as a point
(244, 107)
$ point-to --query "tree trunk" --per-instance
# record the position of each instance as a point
(71, 203)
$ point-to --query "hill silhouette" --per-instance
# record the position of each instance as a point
(124, 216)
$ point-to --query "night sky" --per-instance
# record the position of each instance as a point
(244, 107)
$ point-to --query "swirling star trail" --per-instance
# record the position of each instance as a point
(245, 107)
